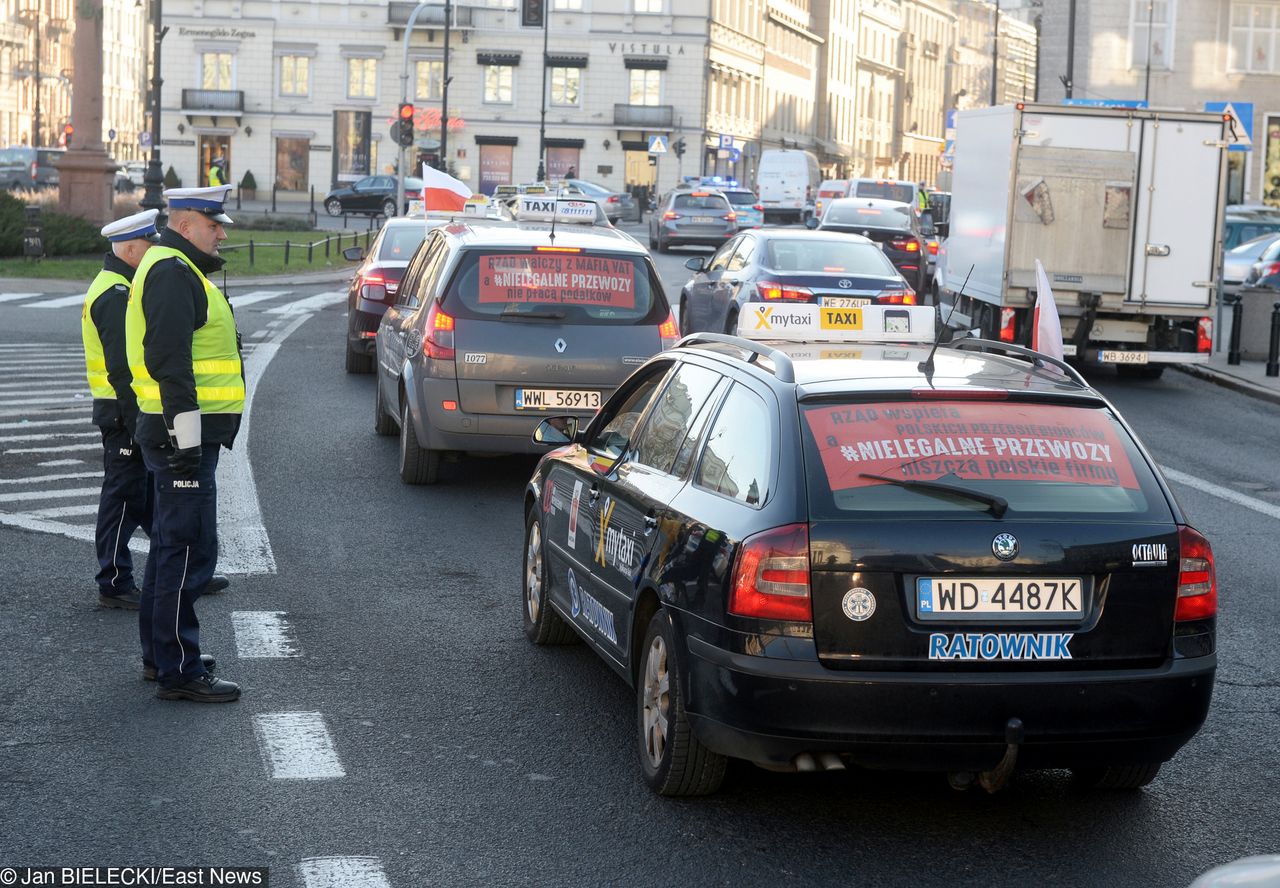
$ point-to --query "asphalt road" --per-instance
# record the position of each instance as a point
(449, 751)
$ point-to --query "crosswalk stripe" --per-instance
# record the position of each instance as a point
(65, 301)
(40, 423)
(65, 511)
(256, 296)
(29, 495)
(45, 435)
(51, 378)
(45, 393)
(12, 297)
(310, 303)
(67, 410)
(68, 448)
(343, 872)
(68, 398)
(262, 635)
(40, 479)
(51, 463)
(297, 746)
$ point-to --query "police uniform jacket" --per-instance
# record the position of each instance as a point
(107, 314)
(180, 309)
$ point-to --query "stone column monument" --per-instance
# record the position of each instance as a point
(86, 175)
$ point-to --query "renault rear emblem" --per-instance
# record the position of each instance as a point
(561, 345)
(1005, 546)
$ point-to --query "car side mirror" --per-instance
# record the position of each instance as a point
(556, 430)
(696, 263)
(812, 223)
(353, 254)
(942, 229)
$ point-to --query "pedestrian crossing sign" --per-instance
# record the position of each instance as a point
(657, 144)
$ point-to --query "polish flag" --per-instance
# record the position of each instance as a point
(440, 191)
(1046, 329)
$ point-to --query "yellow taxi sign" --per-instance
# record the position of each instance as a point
(817, 323)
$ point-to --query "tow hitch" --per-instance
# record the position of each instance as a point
(994, 780)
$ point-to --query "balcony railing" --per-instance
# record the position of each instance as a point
(213, 101)
(643, 116)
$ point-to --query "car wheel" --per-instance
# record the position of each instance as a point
(673, 760)
(389, 207)
(333, 206)
(383, 423)
(663, 246)
(1117, 776)
(542, 625)
(731, 322)
(653, 241)
(417, 466)
(1140, 371)
(358, 363)
(681, 321)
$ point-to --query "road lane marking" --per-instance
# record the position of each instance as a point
(67, 448)
(262, 635)
(255, 296)
(46, 435)
(37, 423)
(343, 872)
(297, 746)
(29, 495)
(65, 511)
(64, 462)
(10, 297)
(40, 479)
(1226, 493)
(65, 301)
(310, 303)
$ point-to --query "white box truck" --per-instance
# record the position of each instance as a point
(1122, 206)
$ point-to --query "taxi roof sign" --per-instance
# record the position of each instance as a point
(547, 209)
(816, 323)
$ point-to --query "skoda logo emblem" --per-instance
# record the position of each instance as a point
(1005, 546)
(561, 345)
(845, 283)
(858, 604)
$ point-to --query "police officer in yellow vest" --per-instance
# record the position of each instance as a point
(187, 374)
(217, 172)
(125, 502)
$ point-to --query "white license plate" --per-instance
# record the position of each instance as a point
(844, 302)
(704, 220)
(1122, 357)
(556, 399)
(986, 598)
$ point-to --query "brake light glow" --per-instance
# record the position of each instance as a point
(1197, 580)
(759, 208)
(959, 394)
(670, 214)
(833, 268)
(1269, 269)
(449, 405)
(902, 243)
(700, 194)
(771, 291)
(613, 198)
(933, 248)
(557, 249)
(1204, 335)
(438, 343)
(771, 577)
(730, 217)
(669, 331)
(412, 195)
(1008, 325)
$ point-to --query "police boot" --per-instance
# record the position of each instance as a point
(125, 600)
(202, 689)
(149, 672)
(217, 583)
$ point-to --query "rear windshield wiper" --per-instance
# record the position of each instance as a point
(512, 312)
(997, 505)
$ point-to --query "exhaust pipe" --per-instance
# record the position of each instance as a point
(805, 763)
(830, 762)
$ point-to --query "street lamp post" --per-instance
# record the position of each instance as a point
(404, 90)
(995, 56)
(153, 179)
(444, 91)
(542, 118)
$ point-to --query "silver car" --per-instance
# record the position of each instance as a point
(1239, 261)
(499, 323)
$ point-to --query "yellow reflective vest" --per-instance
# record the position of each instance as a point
(215, 175)
(215, 359)
(95, 363)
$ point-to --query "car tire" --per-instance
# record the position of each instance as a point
(1126, 777)
(333, 206)
(653, 241)
(389, 207)
(542, 625)
(417, 465)
(673, 760)
(663, 246)
(731, 322)
(682, 322)
(383, 423)
(1140, 371)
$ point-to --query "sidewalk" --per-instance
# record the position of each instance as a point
(1247, 377)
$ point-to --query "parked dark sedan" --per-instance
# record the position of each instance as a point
(780, 265)
(893, 225)
(375, 195)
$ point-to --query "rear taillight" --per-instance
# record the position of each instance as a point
(1008, 325)
(771, 578)
(731, 217)
(933, 248)
(669, 331)
(1204, 335)
(613, 198)
(1269, 269)
(438, 342)
(1197, 583)
(759, 208)
(897, 294)
(905, 244)
(412, 195)
(670, 215)
(33, 171)
(774, 292)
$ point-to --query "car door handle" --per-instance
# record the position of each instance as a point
(594, 492)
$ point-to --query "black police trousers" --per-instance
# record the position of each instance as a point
(124, 506)
(184, 552)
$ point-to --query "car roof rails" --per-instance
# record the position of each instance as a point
(783, 369)
(1038, 359)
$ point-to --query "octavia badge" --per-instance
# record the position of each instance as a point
(561, 345)
(1005, 546)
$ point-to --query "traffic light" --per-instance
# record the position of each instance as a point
(67, 130)
(678, 147)
(533, 13)
(404, 124)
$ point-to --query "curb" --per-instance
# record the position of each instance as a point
(1228, 381)
(71, 285)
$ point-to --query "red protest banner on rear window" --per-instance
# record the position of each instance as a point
(560, 278)
(1004, 442)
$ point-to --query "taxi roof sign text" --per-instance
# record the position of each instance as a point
(816, 323)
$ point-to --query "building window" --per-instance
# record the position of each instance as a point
(497, 84)
(566, 87)
(429, 79)
(571, 5)
(646, 87)
(292, 157)
(1254, 28)
(647, 6)
(1151, 24)
(295, 75)
(215, 70)
(362, 78)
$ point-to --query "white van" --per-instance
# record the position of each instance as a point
(787, 182)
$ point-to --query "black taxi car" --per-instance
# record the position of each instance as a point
(844, 547)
